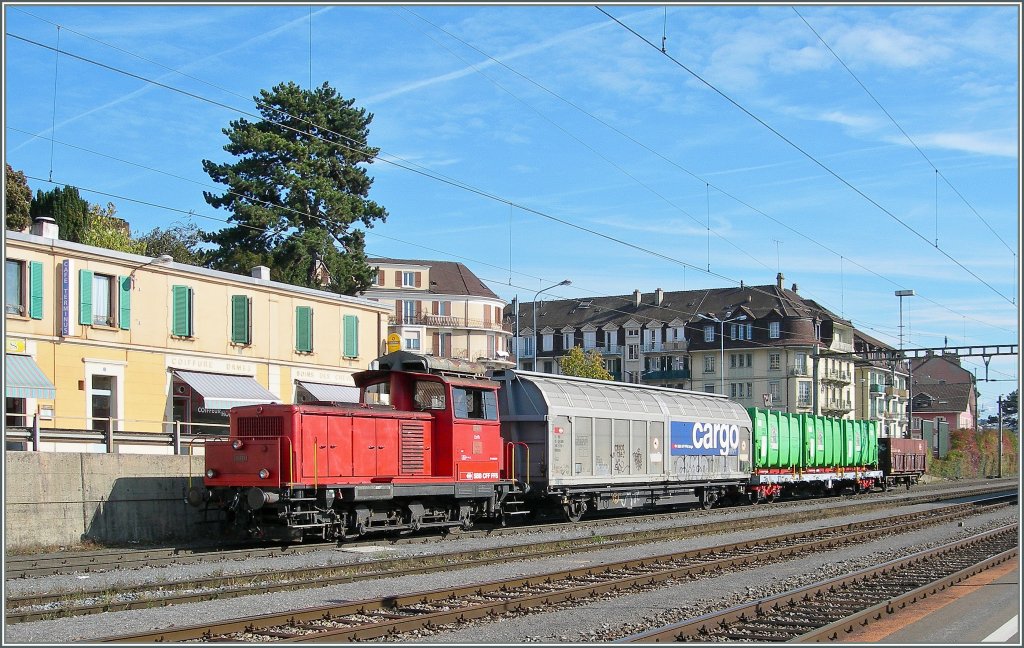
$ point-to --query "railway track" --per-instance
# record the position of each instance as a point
(29, 566)
(82, 602)
(830, 610)
(393, 616)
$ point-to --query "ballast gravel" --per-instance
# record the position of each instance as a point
(600, 620)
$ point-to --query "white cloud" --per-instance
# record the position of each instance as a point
(986, 143)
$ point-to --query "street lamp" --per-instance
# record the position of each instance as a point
(536, 338)
(721, 337)
(910, 370)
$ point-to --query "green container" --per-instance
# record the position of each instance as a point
(871, 456)
(777, 439)
(813, 441)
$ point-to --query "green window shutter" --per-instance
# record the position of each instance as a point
(240, 333)
(85, 297)
(124, 302)
(303, 329)
(35, 290)
(351, 336)
(181, 317)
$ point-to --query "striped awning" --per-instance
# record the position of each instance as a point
(223, 391)
(24, 379)
(331, 393)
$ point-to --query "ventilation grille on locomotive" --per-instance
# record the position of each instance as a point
(412, 448)
(260, 427)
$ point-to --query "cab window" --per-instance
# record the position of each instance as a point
(378, 393)
(429, 395)
(475, 403)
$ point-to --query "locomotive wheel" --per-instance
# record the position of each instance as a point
(574, 510)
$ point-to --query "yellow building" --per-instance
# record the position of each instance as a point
(139, 347)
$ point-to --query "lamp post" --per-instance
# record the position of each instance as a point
(910, 371)
(721, 337)
(536, 338)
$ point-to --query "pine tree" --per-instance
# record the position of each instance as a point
(65, 206)
(297, 189)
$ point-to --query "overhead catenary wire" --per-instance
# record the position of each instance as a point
(430, 173)
(810, 157)
(426, 173)
(938, 173)
(706, 182)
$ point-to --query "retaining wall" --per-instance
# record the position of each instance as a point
(65, 498)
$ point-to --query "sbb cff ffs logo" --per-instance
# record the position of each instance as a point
(696, 438)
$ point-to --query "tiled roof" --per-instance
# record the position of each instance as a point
(446, 277)
(758, 301)
(946, 397)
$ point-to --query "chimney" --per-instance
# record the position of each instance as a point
(779, 280)
(636, 298)
(659, 296)
(795, 287)
(741, 284)
(261, 272)
(46, 227)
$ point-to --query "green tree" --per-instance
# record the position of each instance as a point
(106, 230)
(17, 200)
(584, 365)
(1010, 410)
(65, 206)
(182, 241)
(297, 190)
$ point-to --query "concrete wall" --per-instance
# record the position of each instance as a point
(63, 498)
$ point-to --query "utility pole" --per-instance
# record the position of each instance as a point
(999, 450)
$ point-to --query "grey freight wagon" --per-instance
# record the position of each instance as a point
(595, 444)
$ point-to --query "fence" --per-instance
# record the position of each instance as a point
(110, 433)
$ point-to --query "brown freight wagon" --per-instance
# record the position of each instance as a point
(903, 461)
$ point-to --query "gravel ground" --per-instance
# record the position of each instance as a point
(571, 625)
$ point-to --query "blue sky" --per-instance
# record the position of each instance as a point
(858, 149)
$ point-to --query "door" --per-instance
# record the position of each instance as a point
(102, 403)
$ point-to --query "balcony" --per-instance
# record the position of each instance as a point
(611, 349)
(897, 393)
(877, 389)
(671, 374)
(447, 321)
(798, 371)
(652, 348)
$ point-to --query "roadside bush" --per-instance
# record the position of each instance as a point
(974, 455)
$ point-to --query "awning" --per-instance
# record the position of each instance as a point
(24, 379)
(331, 393)
(223, 391)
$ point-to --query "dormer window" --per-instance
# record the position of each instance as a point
(408, 280)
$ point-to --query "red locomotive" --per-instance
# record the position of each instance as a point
(421, 450)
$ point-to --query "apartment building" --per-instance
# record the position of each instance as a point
(439, 308)
(761, 345)
(882, 392)
(97, 339)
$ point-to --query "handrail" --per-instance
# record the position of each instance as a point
(510, 457)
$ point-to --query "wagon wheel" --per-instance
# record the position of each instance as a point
(709, 499)
(574, 510)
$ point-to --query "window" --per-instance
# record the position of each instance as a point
(732, 360)
(709, 364)
(378, 393)
(181, 311)
(412, 340)
(773, 389)
(527, 343)
(633, 351)
(709, 333)
(709, 388)
(350, 348)
(750, 331)
(632, 332)
(549, 341)
(304, 329)
(803, 393)
(492, 347)
(735, 332)
(567, 341)
(773, 329)
(429, 395)
(475, 403)
(408, 311)
(98, 296)
(750, 360)
(409, 280)
(774, 361)
(101, 286)
(241, 328)
(589, 340)
(15, 282)
(732, 390)
(750, 390)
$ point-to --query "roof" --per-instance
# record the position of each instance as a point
(446, 277)
(682, 305)
(946, 397)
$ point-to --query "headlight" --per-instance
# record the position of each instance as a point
(237, 444)
(264, 473)
(211, 473)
